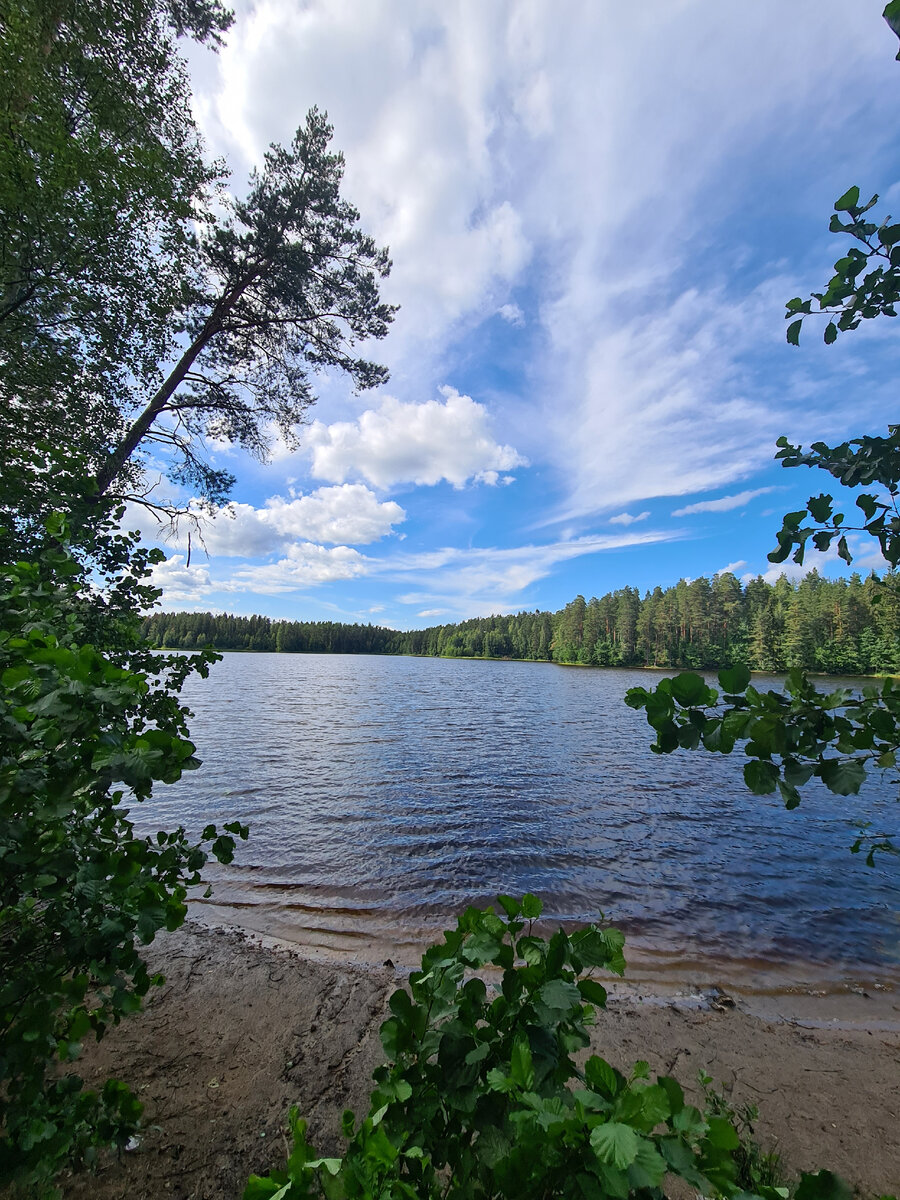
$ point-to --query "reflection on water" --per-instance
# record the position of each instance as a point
(385, 794)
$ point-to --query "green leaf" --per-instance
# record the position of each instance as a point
(850, 199)
(797, 773)
(401, 1004)
(820, 507)
(793, 332)
(760, 776)
(868, 504)
(521, 1069)
(844, 777)
(492, 1146)
(615, 1144)
(673, 1091)
(689, 689)
(734, 679)
(602, 1077)
(531, 906)
(655, 1105)
(721, 1134)
(830, 333)
(649, 1168)
(822, 1186)
(265, 1189)
(593, 992)
(558, 996)
(789, 795)
(511, 907)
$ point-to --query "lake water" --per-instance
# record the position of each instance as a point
(385, 794)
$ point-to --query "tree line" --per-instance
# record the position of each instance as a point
(830, 625)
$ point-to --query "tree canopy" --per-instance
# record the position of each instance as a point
(287, 285)
(143, 308)
(102, 174)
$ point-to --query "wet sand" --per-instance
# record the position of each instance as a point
(243, 1028)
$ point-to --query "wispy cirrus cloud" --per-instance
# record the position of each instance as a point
(478, 581)
(723, 503)
(626, 518)
(518, 163)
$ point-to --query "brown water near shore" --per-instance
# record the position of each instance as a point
(241, 1030)
(794, 990)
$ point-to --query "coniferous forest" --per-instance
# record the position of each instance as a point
(835, 626)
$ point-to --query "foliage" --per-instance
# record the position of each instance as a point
(756, 1168)
(860, 462)
(287, 286)
(788, 737)
(84, 730)
(866, 282)
(142, 308)
(101, 176)
(834, 736)
(835, 626)
(481, 1095)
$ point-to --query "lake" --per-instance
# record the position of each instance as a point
(386, 794)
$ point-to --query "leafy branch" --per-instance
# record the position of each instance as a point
(788, 738)
(482, 1095)
(858, 462)
(850, 295)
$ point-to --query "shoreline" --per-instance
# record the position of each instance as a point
(551, 662)
(796, 990)
(246, 1025)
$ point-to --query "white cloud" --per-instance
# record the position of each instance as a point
(412, 443)
(180, 583)
(497, 145)
(627, 519)
(512, 314)
(789, 569)
(866, 553)
(723, 504)
(732, 567)
(303, 566)
(350, 514)
(659, 406)
(469, 582)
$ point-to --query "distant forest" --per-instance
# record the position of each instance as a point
(829, 625)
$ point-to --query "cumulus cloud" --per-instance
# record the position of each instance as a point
(412, 443)
(305, 565)
(180, 583)
(627, 519)
(497, 146)
(349, 514)
(866, 553)
(723, 504)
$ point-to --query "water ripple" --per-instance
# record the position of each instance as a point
(384, 794)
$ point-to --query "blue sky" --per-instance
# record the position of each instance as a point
(596, 213)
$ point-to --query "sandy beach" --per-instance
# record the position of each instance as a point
(241, 1030)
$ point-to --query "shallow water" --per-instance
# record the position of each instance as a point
(385, 794)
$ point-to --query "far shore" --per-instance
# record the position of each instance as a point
(243, 1027)
(546, 662)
